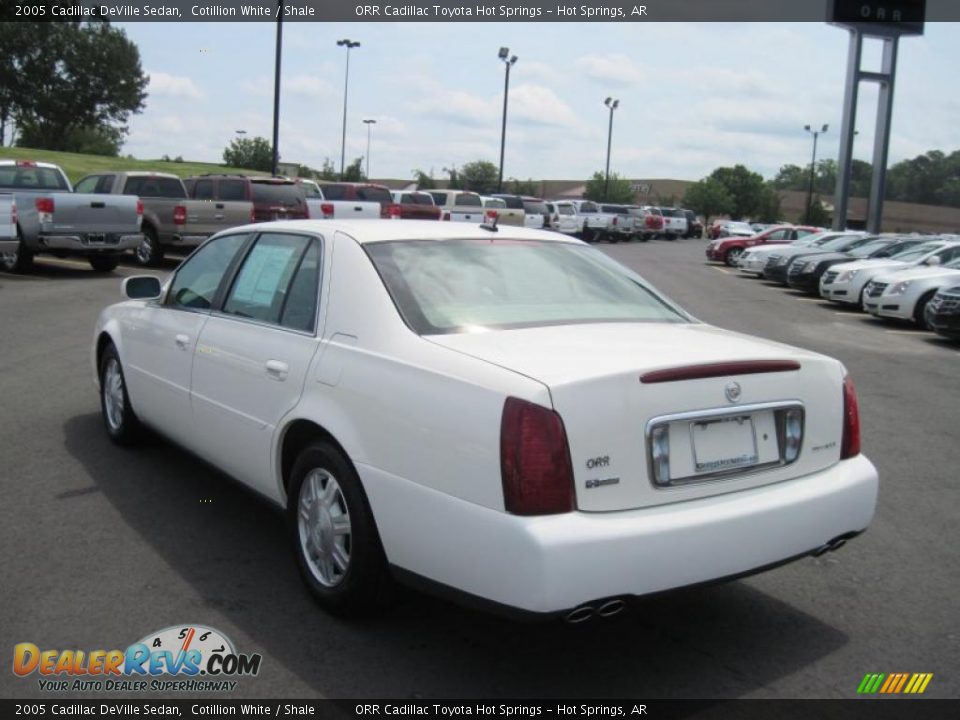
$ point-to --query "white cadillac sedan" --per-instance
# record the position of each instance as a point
(505, 415)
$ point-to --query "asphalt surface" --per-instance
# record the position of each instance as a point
(100, 546)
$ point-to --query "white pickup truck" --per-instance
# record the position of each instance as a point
(51, 218)
(343, 201)
(593, 223)
(459, 205)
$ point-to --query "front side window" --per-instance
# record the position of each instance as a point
(454, 286)
(198, 279)
(263, 287)
(86, 185)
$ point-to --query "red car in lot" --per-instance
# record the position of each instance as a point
(728, 250)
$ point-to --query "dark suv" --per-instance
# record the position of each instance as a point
(272, 198)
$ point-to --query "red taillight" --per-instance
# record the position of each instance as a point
(615, 221)
(44, 205)
(393, 212)
(253, 214)
(446, 216)
(327, 210)
(14, 217)
(180, 215)
(140, 207)
(535, 462)
(490, 215)
(850, 446)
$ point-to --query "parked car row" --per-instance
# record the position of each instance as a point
(913, 278)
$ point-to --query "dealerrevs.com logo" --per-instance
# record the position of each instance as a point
(186, 658)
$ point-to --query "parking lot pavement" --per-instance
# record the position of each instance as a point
(103, 545)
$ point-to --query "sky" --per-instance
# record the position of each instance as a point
(693, 97)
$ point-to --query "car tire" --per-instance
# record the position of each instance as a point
(20, 261)
(103, 263)
(341, 561)
(732, 255)
(919, 311)
(149, 252)
(123, 426)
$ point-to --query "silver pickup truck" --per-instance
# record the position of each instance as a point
(170, 220)
(51, 218)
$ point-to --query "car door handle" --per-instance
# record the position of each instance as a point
(277, 369)
(182, 341)
(219, 206)
(358, 208)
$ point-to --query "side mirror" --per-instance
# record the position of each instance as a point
(141, 287)
(932, 261)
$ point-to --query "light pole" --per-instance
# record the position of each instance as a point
(369, 122)
(509, 61)
(613, 105)
(349, 45)
(813, 165)
(276, 90)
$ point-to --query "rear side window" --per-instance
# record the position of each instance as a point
(261, 290)
(232, 190)
(535, 207)
(512, 201)
(195, 286)
(334, 192)
(154, 187)
(87, 185)
(440, 198)
(588, 207)
(565, 209)
(422, 199)
(203, 190)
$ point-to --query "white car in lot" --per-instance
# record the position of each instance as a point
(508, 415)
(563, 217)
(904, 294)
(753, 260)
(845, 283)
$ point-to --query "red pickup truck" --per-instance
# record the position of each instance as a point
(728, 250)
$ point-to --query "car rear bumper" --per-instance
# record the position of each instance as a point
(85, 243)
(9, 246)
(556, 563)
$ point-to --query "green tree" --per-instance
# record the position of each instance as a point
(328, 171)
(620, 189)
(424, 181)
(86, 75)
(249, 153)
(479, 176)
(522, 187)
(709, 198)
(817, 214)
(745, 188)
(354, 171)
(454, 176)
(768, 208)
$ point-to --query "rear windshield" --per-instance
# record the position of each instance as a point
(420, 198)
(613, 208)
(470, 200)
(282, 193)
(494, 203)
(588, 207)
(534, 207)
(454, 286)
(31, 178)
(513, 202)
(154, 187)
(374, 194)
(672, 212)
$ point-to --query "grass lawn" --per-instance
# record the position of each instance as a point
(76, 165)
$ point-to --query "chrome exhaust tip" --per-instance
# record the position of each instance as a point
(831, 546)
(580, 614)
(611, 608)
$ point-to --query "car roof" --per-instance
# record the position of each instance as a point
(364, 231)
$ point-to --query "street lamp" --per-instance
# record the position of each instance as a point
(813, 164)
(276, 90)
(509, 61)
(349, 45)
(368, 122)
(613, 105)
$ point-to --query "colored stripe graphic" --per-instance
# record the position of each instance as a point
(894, 683)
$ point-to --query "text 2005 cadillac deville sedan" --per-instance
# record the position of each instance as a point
(503, 414)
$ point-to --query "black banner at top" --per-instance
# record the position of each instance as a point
(872, 11)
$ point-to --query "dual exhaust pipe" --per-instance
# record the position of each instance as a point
(605, 610)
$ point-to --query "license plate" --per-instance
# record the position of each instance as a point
(724, 443)
(95, 238)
